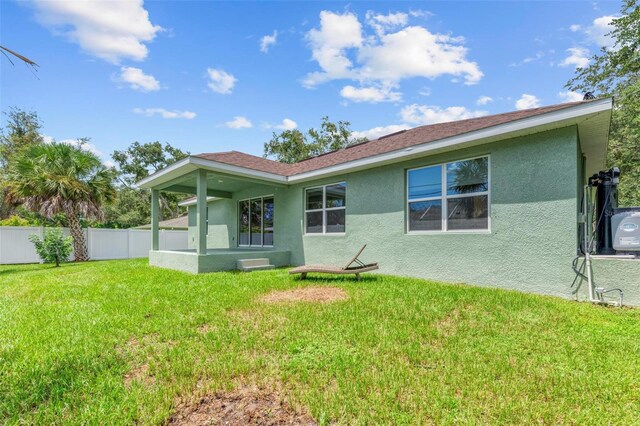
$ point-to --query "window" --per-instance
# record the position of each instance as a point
(325, 208)
(255, 222)
(449, 197)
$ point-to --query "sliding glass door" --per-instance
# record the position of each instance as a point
(255, 222)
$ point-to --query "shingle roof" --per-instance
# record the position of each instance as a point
(241, 159)
(393, 142)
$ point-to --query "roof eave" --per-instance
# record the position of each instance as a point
(491, 134)
(563, 117)
(193, 163)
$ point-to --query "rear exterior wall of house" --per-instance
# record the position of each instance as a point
(533, 197)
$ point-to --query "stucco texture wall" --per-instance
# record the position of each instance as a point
(533, 206)
(533, 220)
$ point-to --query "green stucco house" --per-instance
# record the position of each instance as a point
(489, 201)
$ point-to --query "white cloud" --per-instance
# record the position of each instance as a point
(483, 100)
(86, 146)
(425, 91)
(377, 132)
(337, 33)
(570, 96)
(528, 59)
(421, 13)
(598, 30)
(239, 122)
(424, 114)
(267, 41)
(343, 52)
(383, 23)
(527, 101)
(370, 94)
(138, 80)
(150, 112)
(287, 124)
(110, 30)
(415, 52)
(221, 81)
(578, 57)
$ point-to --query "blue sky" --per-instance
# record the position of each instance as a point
(218, 76)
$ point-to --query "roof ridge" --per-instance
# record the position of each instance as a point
(567, 104)
(519, 111)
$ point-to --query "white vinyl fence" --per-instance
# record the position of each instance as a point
(102, 244)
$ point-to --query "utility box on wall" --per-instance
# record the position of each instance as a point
(625, 227)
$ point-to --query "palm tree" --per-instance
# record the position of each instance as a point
(57, 177)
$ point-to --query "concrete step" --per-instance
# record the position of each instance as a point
(242, 263)
(248, 265)
(257, 268)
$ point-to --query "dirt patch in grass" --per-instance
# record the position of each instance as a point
(306, 294)
(244, 406)
(206, 328)
(140, 374)
(139, 353)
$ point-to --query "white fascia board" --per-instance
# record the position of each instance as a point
(191, 163)
(194, 201)
(494, 133)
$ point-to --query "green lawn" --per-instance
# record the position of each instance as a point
(398, 351)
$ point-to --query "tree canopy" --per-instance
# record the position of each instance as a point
(21, 131)
(615, 72)
(291, 146)
(58, 177)
(140, 160)
(132, 206)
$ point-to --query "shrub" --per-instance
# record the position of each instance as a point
(54, 247)
(15, 221)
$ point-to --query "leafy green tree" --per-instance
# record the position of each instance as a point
(21, 131)
(54, 247)
(616, 72)
(132, 206)
(291, 146)
(53, 178)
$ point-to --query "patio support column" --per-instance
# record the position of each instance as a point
(155, 213)
(201, 207)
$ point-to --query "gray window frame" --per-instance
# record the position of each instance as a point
(443, 198)
(324, 210)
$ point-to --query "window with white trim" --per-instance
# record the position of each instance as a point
(325, 209)
(449, 197)
(255, 222)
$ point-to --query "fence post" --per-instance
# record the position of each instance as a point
(128, 243)
(41, 231)
(88, 240)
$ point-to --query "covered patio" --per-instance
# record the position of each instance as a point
(211, 181)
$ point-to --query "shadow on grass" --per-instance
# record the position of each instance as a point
(364, 279)
(34, 267)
